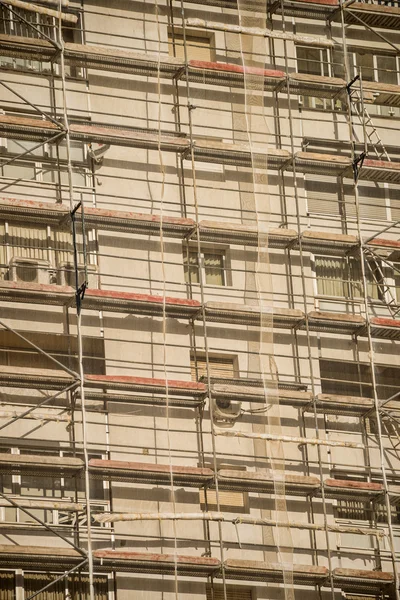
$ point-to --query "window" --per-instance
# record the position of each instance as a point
(396, 280)
(379, 67)
(41, 255)
(10, 24)
(220, 367)
(76, 585)
(345, 378)
(356, 510)
(312, 61)
(7, 585)
(233, 592)
(199, 46)
(354, 379)
(18, 353)
(341, 277)
(236, 502)
(50, 487)
(212, 266)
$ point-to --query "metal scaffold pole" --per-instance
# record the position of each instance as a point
(357, 166)
(79, 295)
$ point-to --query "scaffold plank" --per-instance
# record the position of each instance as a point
(101, 218)
(226, 312)
(257, 394)
(60, 505)
(217, 73)
(38, 556)
(384, 94)
(335, 322)
(381, 16)
(146, 384)
(121, 61)
(36, 293)
(315, 162)
(380, 170)
(274, 572)
(147, 304)
(336, 242)
(363, 580)
(149, 562)
(26, 377)
(33, 463)
(157, 474)
(347, 488)
(240, 154)
(247, 235)
(316, 85)
(343, 405)
(265, 482)
(385, 328)
(373, 14)
(16, 46)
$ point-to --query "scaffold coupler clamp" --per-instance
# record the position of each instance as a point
(79, 295)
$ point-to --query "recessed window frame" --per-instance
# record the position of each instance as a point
(192, 271)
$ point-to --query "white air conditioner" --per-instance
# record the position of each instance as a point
(29, 270)
(226, 413)
(66, 275)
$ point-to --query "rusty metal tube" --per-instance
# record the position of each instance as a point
(258, 32)
(287, 438)
(217, 516)
(42, 10)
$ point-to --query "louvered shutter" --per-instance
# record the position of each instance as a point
(33, 582)
(394, 195)
(198, 47)
(371, 198)
(7, 585)
(349, 379)
(322, 194)
(219, 367)
(232, 593)
(78, 587)
(228, 501)
(28, 242)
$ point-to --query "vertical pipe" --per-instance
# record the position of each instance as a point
(368, 325)
(304, 292)
(79, 319)
(202, 294)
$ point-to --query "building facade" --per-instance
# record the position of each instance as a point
(200, 299)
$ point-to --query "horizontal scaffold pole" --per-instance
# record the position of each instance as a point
(41, 10)
(217, 516)
(259, 32)
(270, 437)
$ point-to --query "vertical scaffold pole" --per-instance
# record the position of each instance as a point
(79, 294)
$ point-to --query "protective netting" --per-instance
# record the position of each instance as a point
(164, 295)
(250, 122)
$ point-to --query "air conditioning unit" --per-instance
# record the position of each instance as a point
(29, 270)
(66, 275)
(226, 413)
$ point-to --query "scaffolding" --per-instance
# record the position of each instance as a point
(221, 406)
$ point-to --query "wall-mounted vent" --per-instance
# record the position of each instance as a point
(66, 275)
(29, 270)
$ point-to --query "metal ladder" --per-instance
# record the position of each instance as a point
(391, 424)
(371, 132)
(378, 276)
